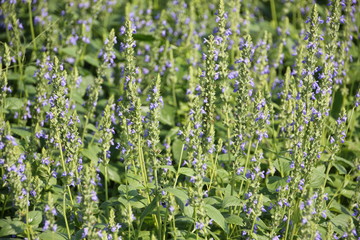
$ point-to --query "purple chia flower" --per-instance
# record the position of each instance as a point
(199, 225)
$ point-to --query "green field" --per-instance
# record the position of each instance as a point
(181, 119)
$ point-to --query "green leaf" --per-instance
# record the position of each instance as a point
(337, 104)
(21, 131)
(231, 201)
(353, 146)
(52, 235)
(282, 165)
(340, 222)
(317, 177)
(178, 193)
(145, 235)
(234, 219)
(86, 81)
(212, 200)
(71, 51)
(347, 193)
(214, 235)
(13, 103)
(29, 73)
(35, 218)
(186, 171)
(143, 37)
(261, 224)
(338, 208)
(13, 75)
(340, 159)
(177, 146)
(91, 127)
(227, 190)
(225, 157)
(184, 220)
(91, 153)
(167, 115)
(222, 174)
(340, 168)
(138, 202)
(182, 199)
(171, 168)
(92, 60)
(113, 172)
(11, 227)
(188, 235)
(172, 132)
(216, 215)
(274, 182)
(149, 208)
(134, 181)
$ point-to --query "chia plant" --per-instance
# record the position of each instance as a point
(179, 119)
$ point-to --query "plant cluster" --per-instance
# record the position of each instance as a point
(182, 119)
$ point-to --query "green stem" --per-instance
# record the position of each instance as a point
(287, 224)
(70, 196)
(248, 183)
(294, 228)
(349, 122)
(156, 4)
(228, 146)
(64, 169)
(253, 225)
(27, 217)
(65, 218)
(174, 227)
(5, 202)
(328, 170)
(165, 224)
(246, 165)
(179, 165)
(157, 204)
(142, 164)
(129, 207)
(85, 126)
(273, 13)
(213, 171)
(335, 195)
(174, 93)
(106, 178)
(32, 28)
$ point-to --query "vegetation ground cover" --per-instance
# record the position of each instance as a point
(201, 119)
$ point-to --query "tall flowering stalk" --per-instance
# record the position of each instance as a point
(89, 202)
(262, 66)
(58, 112)
(208, 84)
(14, 30)
(223, 76)
(16, 177)
(73, 144)
(108, 57)
(50, 215)
(106, 139)
(243, 89)
(44, 76)
(197, 161)
(152, 131)
(235, 16)
(130, 104)
(221, 40)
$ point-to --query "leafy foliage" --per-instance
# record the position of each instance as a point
(179, 119)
